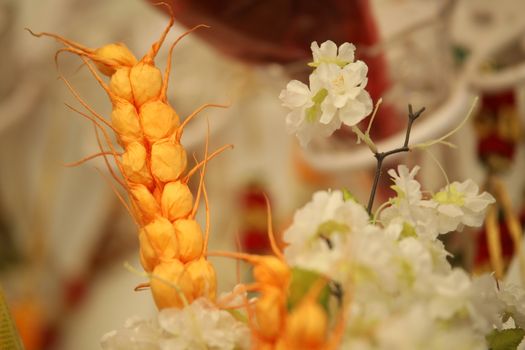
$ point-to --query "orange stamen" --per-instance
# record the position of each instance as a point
(168, 64)
(178, 134)
(271, 236)
(83, 103)
(150, 56)
(202, 162)
(85, 159)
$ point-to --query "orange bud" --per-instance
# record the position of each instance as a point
(169, 280)
(116, 52)
(125, 120)
(204, 279)
(270, 312)
(270, 270)
(307, 324)
(148, 255)
(176, 200)
(134, 164)
(144, 201)
(158, 120)
(160, 234)
(120, 84)
(189, 236)
(168, 160)
(146, 82)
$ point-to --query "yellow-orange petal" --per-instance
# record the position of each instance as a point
(145, 202)
(168, 160)
(120, 84)
(270, 312)
(125, 120)
(270, 270)
(134, 164)
(169, 280)
(204, 278)
(189, 236)
(176, 200)
(306, 325)
(158, 120)
(146, 82)
(116, 52)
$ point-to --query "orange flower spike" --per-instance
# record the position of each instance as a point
(125, 121)
(171, 284)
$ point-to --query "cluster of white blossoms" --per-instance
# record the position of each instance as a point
(336, 93)
(404, 292)
(200, 325)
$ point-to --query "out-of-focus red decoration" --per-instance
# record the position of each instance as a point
(254, 230)
(498, 130)
(281, 31)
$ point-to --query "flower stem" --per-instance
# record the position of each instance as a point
(380, 156)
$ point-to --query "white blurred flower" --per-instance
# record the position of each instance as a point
(199, 325)
(316, 238)
(459, 204)
(329, 53)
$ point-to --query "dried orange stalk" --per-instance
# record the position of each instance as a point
(153, 167)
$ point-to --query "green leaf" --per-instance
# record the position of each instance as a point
(302, 281)
(9, 338)
(348, 196)
(505, 339)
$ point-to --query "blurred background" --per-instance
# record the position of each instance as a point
(64, 236)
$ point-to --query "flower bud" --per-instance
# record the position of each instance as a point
(116, 52)
(176, 200)
(134, 164)
(120, 84)
(158, 120)
(125, 120)
(189, 236)
(171, 284)
(146, 82)
(168, 160)
(145, 202)
(306, 325)
(160, 235)
(269, 312)
(204, 279)
(270, 270)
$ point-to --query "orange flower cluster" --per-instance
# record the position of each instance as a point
(153, 165)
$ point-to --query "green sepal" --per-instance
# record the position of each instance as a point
(348, 196)
(301, 282)
(505, 339)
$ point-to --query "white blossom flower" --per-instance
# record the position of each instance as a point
(459, 204)
(346, 97)
(199, 325)
(336, 93)
(407, 207)
(303, 119)
(329, 53)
